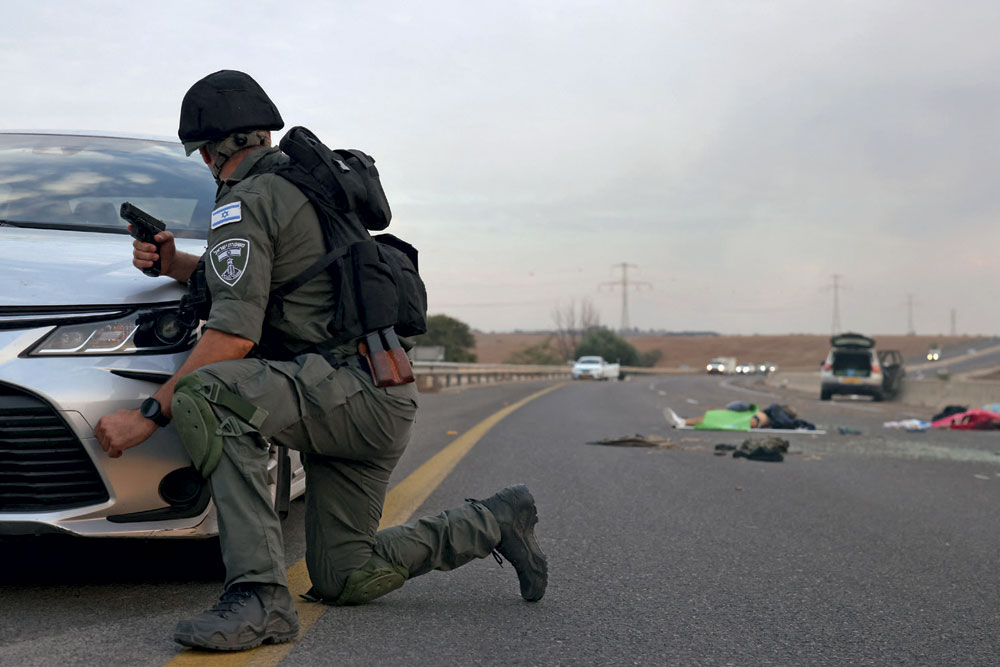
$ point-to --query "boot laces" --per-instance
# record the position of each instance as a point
(495, 553)
(235, 596)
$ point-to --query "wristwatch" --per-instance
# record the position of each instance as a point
(150, 409)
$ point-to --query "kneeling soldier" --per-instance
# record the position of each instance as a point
(316, 397)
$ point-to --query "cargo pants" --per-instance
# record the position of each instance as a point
(351, 434)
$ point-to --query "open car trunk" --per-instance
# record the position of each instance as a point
(850, 363)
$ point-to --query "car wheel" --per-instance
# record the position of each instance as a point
(878, 396)
(824, 395)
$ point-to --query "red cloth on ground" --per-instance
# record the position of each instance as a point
(969, 420)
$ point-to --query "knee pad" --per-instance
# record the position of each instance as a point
(372, 580)
(197, 424)
(198, 421)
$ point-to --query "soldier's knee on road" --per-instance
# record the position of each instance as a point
(374, 579)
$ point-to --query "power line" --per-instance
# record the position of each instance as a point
(625, 284)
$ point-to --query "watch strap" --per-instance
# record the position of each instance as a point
(152, 410)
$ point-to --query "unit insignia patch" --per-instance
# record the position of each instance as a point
(229, 260)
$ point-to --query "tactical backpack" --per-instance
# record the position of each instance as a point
(380, 290)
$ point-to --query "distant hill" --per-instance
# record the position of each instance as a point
(791, 352)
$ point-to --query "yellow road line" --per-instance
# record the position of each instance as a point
(400, 503)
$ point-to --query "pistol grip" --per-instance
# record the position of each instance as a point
(140, 233)
(154, 270)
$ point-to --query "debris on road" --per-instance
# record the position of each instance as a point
(638, 440)
(909, 425)
(767, 449)
(847, 430)
(950, 410)
(970, 420)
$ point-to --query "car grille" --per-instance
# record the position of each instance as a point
(43, 465)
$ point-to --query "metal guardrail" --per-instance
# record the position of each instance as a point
(436, 375)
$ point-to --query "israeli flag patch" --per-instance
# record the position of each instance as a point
(226, 214)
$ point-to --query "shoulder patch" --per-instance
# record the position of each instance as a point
(229, 260)
(226, 214)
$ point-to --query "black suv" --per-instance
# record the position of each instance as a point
(855, 367)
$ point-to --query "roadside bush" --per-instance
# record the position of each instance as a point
(454, 335)
(605, 343)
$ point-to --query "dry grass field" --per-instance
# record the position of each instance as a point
(790, 352)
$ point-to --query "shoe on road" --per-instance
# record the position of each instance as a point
(514, 509)
(246, 615)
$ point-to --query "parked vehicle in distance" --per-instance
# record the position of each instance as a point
(595, 368)
(767, 367)
(83, 333)
(721, 365)
(934, 353)
(854, 366)
(746, 369)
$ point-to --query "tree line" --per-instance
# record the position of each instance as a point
(578, 333)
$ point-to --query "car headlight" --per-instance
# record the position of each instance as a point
(146, 330)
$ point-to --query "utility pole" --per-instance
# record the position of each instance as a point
(909, 309)
(835, 325)
(954, 330)
(624, 283)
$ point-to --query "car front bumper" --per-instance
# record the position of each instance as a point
(55, 476)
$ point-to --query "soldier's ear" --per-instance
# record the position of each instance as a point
(205, 156)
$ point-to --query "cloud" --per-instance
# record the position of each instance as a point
(738, 153)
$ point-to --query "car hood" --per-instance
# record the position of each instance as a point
(45, 267)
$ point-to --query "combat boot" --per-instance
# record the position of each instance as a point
(247, 615)
(514, 509)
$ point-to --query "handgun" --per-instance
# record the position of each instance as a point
(386, 358)
(144, 228)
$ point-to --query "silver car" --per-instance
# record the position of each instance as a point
(83, 333)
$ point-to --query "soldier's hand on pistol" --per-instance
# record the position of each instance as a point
(144, 254)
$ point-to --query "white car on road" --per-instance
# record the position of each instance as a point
(595, 368)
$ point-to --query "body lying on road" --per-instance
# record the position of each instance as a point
(741, 416)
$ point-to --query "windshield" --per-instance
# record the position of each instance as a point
(79, 183)
(589, 360)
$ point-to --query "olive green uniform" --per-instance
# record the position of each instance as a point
(351, 434)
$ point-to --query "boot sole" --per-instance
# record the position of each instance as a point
(192, 642)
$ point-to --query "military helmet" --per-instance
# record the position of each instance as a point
(222, 103)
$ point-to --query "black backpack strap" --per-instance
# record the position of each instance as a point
(319, 266)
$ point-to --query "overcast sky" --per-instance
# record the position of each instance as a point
(737, 154)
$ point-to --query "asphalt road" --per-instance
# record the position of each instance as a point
(958, 360)
(877, 548)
